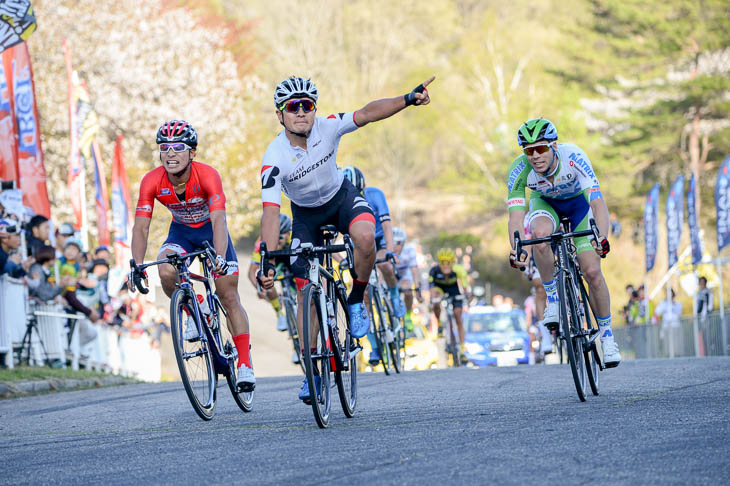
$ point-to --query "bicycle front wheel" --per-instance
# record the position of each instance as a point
(393, 336)
(316, 356)
(193, 357)
(453, 346)
(291, 321)
(570, 328)
(345, 357)
(379, 325)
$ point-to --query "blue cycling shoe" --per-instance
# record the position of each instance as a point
(374, 357)
(398, 306)
(304, 392)
(359, 320)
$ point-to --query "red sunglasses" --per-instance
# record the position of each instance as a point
(292, 106)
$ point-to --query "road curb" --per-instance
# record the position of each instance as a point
(23, 388)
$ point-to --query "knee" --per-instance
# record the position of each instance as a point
(592, 274)
(167, 273)
(364, 238)
(229, 298)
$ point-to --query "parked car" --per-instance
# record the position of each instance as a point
(496, 337)
(421, 350)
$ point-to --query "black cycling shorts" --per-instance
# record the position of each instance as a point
(345, 207)
(450, 290)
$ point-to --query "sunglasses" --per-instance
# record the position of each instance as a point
(445, 263)
(540, 149)
(292, 106)
(176, 147)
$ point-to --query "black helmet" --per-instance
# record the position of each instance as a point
(177, 131)
(355, 175)
(284, 223)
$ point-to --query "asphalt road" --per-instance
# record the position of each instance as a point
(656, 422)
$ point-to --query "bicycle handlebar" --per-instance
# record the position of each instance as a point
(174, 259)
(559, 235)
(390, 257)
(306, 251)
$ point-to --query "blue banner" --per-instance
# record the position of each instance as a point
(722, 204)
(651, 219)
(694, 228)
(675, 219)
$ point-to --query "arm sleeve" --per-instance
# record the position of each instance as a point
(210, 181)
(146, 201)
(270, 181)
(516, 184)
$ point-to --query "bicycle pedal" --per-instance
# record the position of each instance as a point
(246, 387)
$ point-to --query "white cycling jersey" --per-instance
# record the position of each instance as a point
(309, 177)
(407, 259)
(574, 176)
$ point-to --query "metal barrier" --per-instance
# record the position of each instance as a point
(13, 295)
(704, 337)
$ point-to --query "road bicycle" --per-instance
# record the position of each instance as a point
(328, 347)
(202, 359)
(451, 330)
(578, 329)
(389, 331)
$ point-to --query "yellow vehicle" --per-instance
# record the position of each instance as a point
(421, 350)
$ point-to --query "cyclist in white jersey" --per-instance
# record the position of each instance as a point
(408, 270)
(301, 162)
(563, 184)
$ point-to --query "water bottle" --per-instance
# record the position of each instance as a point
(330, 313)
(203, 303)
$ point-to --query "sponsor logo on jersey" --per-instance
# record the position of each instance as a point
(145, 209)
(520, 201)
(164, 191)
(303, 171)
(268, 176)
(580, 163)
(198, 200)
(516, 171)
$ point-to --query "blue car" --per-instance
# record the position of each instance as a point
(496, 337)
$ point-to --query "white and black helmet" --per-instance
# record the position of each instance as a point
(294, 87)
(399, 236)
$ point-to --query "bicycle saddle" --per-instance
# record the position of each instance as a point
(329, 231)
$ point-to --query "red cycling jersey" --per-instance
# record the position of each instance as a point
(203, 194)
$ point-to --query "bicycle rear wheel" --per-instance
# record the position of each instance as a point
(590, 351)
(376, 303)
(393, 334)
(316, 362)
(193, 358)
(291, 322)
(244, 400)
(453, 346)
(345, 357)
(570, 327)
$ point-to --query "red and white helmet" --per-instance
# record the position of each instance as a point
(177, 131)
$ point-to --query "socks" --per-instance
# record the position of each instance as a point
(551, 289)
(242, 345)
(393, 293)
(276, 304)
(604, 326)
(357, 293)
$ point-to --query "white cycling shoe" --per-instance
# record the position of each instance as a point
(611, 355)
(552, 315)
(191, 330)
(245, 380)
(281, 324)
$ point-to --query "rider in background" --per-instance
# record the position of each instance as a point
(408, 270)
(193, 192)
(271, 295)
(384, 245)
(563, 184)
(448, 278)
(302, 162)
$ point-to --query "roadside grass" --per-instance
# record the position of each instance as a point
(31, 373)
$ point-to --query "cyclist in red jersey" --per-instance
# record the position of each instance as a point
(193, 192)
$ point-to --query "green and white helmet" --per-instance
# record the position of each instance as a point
(536, 130)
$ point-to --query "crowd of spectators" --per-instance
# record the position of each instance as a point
(55, 268)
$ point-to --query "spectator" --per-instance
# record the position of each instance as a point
(41, 284)
(11, 261)
(62, 234)
(632, 316)
(703, 305)
(629, 291)
(703, 299)
(103, 253)
(646, 307)
(671, 331)
(38, 232)
(615, 225)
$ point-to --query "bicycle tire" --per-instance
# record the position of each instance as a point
(244, 400)
(394, 347)
(291, 322)
(379, 329)
(453, 348)
(345, 360)
(193, 358)
(568, 326)
(321, 402)
(590, 352)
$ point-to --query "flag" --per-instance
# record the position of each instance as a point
(75, 167)
(675, 218)
(722, 204)
(31, 169)
(8, 154)
(102, 196)
(120, 206)
(17, 22)
(694, 230)
(651, 218)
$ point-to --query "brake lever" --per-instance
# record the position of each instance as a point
(518, 250)
(350, 255)
(605, 245)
